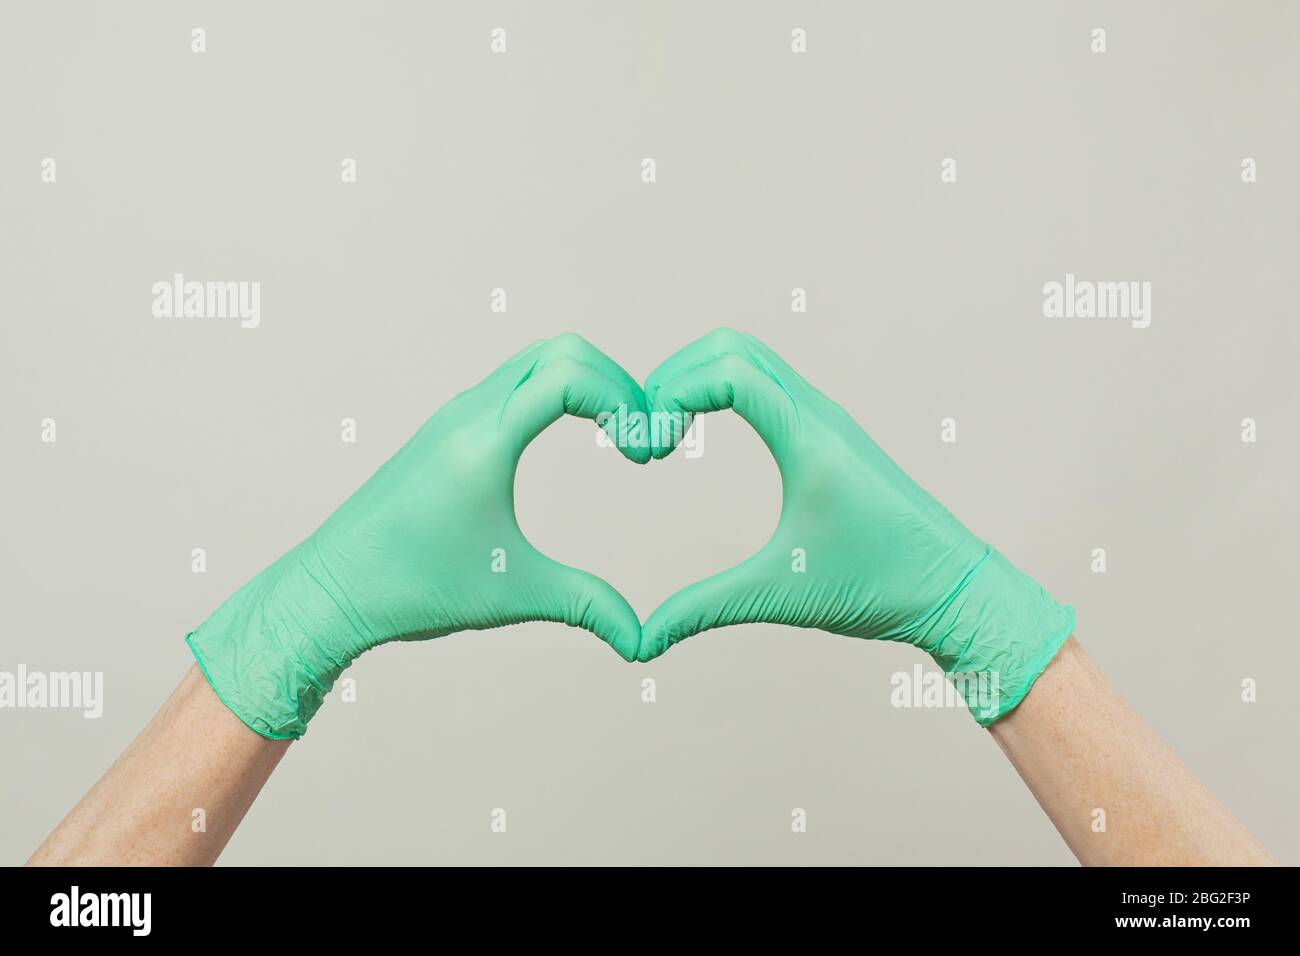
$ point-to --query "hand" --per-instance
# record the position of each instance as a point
(860, 548)
(428, 546)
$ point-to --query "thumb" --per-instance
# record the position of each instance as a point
(735, 596)
(583, 600)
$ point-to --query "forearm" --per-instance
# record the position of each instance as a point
(194, 755)
(1081, 749)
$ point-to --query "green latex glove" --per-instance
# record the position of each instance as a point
(411, 555)
(883, 560)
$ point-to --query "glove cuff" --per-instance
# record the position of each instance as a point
(267, 652)
(995, 634)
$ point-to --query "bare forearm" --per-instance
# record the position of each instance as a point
(1084, 752)
(194, 755)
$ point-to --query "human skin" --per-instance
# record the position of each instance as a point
(1081, 748)
(193, 755)
(1074, 741)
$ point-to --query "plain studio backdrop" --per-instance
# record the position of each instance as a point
(775, 170)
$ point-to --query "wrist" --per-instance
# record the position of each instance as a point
(996, 634)
(274, 649)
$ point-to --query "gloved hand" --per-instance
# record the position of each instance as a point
(413, 554)
(883, 560)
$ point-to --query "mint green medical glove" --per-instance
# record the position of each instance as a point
(860, 548)
(428, 546)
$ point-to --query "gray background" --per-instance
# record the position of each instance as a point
(775, 170)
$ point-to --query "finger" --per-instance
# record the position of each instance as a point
(564, 385)
(583, 600)
(633, 443)
(710, 388)
(741, 595)
(515, 368)
(575, 346)
(729, 381)
(715, 345)
(706, 348)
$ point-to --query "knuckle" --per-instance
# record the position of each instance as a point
(565, 366)
(733, 366)
(725, 337)
(568, 343)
